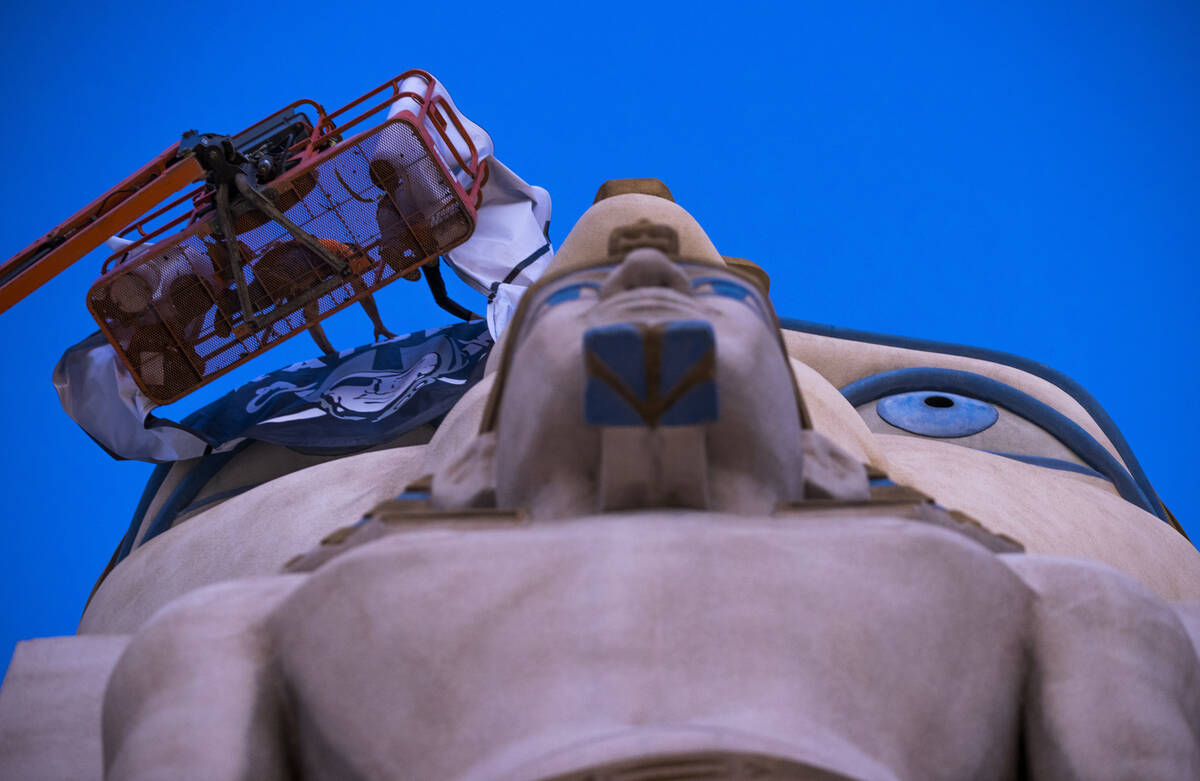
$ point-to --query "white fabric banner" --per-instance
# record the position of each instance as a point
(97, 392)
(509, 249)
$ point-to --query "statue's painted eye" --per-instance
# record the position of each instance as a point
(937, 414)
(727, 288)
(584, 290)
(711, 286)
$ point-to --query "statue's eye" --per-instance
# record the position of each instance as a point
(573, 293)
(982, 413)
(581, 290)
(936, 414)
(727, 288)
(710, 286)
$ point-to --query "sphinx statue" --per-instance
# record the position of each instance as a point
(668, 535)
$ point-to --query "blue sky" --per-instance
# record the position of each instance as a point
(1020, 176)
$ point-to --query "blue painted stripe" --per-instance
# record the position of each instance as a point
(1050, 463)
(189, 488)
(152, 485)
(220, 496)
(1053, 376)
(977, 386)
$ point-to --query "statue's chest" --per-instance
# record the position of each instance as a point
(439, 650)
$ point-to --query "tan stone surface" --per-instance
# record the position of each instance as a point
(830, 472)
(1048, 511)
(195, 695)
(254, 533)
(832, 415)
(1107, 657)
(587, 243)
(1189, 614)
(460, 425)
(50, 708)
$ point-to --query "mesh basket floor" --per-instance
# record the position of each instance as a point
(381, 202)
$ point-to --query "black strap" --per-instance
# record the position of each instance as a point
(437, 286)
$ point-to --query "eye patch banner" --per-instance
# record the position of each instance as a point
(354, 400)
(361, 398)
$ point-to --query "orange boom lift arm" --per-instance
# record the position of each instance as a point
(106, 216)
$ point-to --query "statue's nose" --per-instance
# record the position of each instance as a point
(645, 267)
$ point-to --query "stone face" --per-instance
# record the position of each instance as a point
(655, 542)
(549, 458)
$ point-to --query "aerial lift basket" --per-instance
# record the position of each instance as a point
(295, 219)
